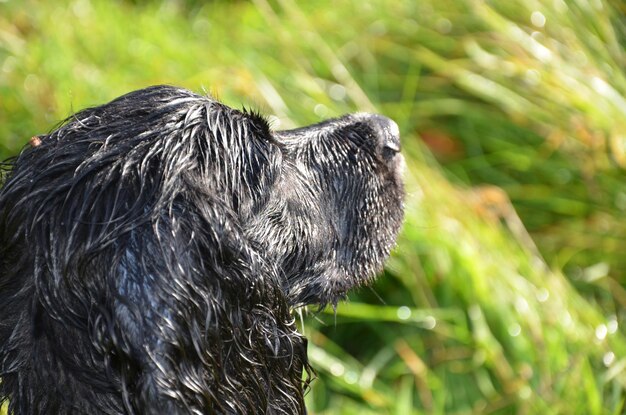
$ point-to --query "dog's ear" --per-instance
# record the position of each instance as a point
(180, 308)
(205, 313)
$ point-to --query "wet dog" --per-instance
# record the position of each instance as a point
(152, 251)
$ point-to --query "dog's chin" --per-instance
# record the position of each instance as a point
(333, 284)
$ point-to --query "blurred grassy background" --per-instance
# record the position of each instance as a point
(506, 294)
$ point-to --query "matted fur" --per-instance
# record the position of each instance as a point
(152, 250)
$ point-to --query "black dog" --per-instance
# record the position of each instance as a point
(152, 251)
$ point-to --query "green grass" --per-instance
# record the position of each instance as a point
(507, 290)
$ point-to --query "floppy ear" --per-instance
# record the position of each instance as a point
(124, 270)
(200, 320)
(159, 287)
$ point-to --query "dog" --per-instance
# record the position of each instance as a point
(153, 250)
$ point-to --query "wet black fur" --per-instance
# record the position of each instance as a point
(152, 251)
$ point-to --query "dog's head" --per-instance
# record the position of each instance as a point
(320, 205)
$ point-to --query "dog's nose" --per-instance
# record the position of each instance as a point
(387, 135)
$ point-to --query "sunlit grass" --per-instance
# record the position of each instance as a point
(490, 328)
(506, 292)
